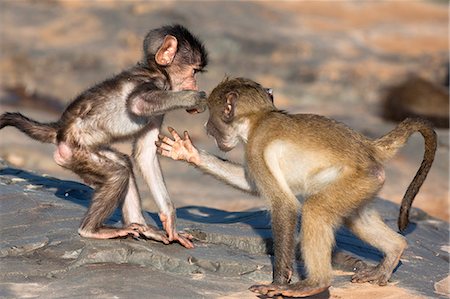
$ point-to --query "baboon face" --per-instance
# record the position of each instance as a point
(229, 104)
(223, 133)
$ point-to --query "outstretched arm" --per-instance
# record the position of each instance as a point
(182, 149)
(148, 100)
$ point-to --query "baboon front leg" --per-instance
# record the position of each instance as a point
(132, 214)
(284, 223)
(369, 226)
(317, 241)
(131, 208)
(144, 152)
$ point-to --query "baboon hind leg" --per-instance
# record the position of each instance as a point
(369, 226)
(109, 172)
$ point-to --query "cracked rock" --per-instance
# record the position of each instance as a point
(40, 249)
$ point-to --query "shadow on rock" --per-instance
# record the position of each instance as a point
(258, 221)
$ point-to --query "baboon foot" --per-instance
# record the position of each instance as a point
(348, 262)
(372, 274)
(108, 233)
(150, 232)
(134, 229)
(299, 289)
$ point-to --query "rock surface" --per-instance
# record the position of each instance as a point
(43, 256)
(331, 58)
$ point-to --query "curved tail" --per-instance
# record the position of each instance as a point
(389, 144)
(36, 130)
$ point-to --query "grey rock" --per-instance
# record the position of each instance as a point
(42, 254)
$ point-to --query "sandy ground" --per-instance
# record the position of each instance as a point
(331, 58)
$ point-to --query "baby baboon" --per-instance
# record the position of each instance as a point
(129, 106)
(336, 170)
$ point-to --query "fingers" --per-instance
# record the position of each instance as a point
(174, 133)
(165, 139)
(164, 146)
(133, 232)
(186, 235)
(168, 225)
(184, 239)
(149, 232)
(164, 153)
(157, 236)
(185, 242)
(186, 136)
(170, 233)
(153, 233)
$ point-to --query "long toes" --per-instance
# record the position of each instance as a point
(136, 227)
(186, 235)
(364, 274)
(148, 232)
(360, 278)
(303, 292)
(262, 289)
(155, 235)
(132, 232)
(185, 242)
(366, 270)
(278, 291)
(373, 278)
(360, 266)
(287, 290)
(122, 233)
(275, 293)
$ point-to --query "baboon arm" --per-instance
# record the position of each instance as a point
(231, 173)
(182, 149)
(145, 156)
(144, 153)
(149, 100)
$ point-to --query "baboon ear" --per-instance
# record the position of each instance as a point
(230, 105)
(165, 54)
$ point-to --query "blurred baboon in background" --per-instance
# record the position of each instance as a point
(417, 97)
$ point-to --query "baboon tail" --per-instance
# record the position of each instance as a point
(36, 130)
(389, 144)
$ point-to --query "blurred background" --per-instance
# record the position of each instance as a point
(366, 63)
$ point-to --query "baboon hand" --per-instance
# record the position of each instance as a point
(168, 222)
(178, 148)
(200, 102)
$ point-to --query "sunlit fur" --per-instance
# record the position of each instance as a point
(336, 170)
(128, 106)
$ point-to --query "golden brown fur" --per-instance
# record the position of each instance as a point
(335, 169)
